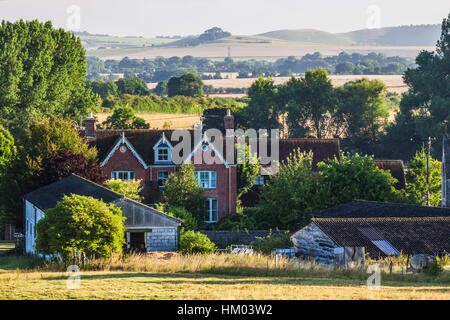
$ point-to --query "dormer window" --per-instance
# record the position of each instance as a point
(162, 154)
(163, 150)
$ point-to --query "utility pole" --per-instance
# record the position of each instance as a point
(428, 171)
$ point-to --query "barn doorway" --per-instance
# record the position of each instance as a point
(137, 241)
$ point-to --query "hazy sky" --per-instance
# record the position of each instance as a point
(184, 17)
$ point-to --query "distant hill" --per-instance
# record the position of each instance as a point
(209, 35)
(413, 35)
(420, 35)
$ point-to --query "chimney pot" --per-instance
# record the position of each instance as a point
(229, 123)
(89, 124)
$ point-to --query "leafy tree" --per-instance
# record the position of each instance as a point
(248, 171)
(130, 188)
(263, 109)
(356, 177)
(195, 242)
(161, 88)
(417, 180)
(81, 223)
(133, 86)
(41, 139)
(7, 156)
(187, 85)
(292, 194)
(183, 190)
(363, 110)
(60, 164)
(7, 150)
(345, 68)
(123, 117)
(42, 75)
(102, 88)
(315, 100)
(425, 108)
(189, 222)
(52, 135)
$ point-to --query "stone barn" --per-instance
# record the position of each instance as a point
(147, 229)
(382, 229)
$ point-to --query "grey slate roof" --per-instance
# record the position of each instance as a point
(372, 209)
(47, 197)
(137, 214)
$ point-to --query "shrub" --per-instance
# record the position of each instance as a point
(433, 269)
(195, 242)
(271, 242)
(189, 222)
(81, 223)
(129, 188)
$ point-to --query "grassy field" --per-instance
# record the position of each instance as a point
(145, 285)
(219, 276)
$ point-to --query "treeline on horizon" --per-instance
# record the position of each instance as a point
(162, 69)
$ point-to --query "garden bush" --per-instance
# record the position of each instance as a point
(195, 242)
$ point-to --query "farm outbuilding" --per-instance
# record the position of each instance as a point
(382, 229)
(147, 229)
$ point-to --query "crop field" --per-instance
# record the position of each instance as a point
(247, 47)
(394, 83)
(162, 120)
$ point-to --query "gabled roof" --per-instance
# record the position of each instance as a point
(144, 140)
(428, 235)
(323, 149)
(136, 213)
(47, 197)
(397, 170)
(373, 209)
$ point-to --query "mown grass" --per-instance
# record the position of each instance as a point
(217, 276)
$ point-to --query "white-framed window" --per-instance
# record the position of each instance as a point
(212, 210)
(259, 181)
(206, 179)
(163, 154)
(162, 177)
(123, 175)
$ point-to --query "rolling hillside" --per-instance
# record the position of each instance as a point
(309, 35)
(420, 35)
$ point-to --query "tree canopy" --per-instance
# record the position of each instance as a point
(42, 75)
(183, 190)
(417, 180)
(187, 85)
(123, 117)
(81, 223)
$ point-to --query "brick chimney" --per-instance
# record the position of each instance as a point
(229, 123)
(89, 124)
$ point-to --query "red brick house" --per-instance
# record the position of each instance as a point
(146, 155)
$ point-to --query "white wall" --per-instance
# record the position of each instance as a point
(32, 217)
